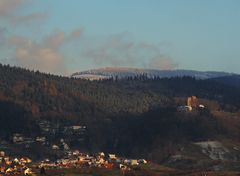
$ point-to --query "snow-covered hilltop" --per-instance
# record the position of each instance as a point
(122, 72)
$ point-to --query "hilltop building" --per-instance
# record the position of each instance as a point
(192, 102)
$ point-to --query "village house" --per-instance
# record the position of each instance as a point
(2, 153)
(21, 139)
(75, 152)
(101, 154)
(18, 138)
(142, 161)
(25, 160)
(28, 171)
(75, 129)
(44, 125)
(134, 162)
(55, 147)
(64, 145)
(112, 157)
(41, 139)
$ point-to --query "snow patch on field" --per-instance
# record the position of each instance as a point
(214, 149)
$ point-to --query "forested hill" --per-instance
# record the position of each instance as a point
(233, 80)
(127, 116)
(50, 96)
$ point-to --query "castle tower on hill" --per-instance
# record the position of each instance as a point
(192, 101)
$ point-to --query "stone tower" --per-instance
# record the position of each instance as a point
(192, 101)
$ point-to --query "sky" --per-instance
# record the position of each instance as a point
(65, 36)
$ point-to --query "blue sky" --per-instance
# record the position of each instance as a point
(61, 36)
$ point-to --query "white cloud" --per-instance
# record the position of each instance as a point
(8, 7)
(44, 55)
(28, 19)
(12, 13)
(2, 35)
(162, 63)
(122, 50)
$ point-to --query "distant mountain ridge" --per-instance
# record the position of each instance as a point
(123, 72)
